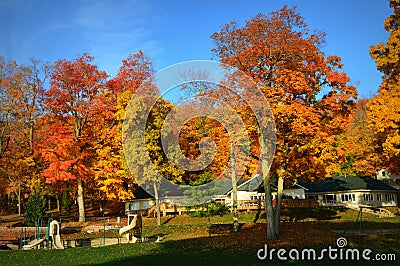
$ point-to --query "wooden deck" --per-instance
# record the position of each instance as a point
(166, 208)
(249, 205)
(243, 205)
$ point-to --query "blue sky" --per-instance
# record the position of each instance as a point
(175, 31)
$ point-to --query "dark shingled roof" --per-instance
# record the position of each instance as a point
(257, 183)
(140, 193)
(343, 183)
(250, 184)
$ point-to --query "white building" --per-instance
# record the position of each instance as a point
(389, 179)
(353, 192)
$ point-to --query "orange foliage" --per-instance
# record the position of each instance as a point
(308, 93)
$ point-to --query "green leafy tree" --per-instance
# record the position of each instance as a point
(35, 209)
(66, 200)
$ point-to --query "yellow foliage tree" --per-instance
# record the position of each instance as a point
(111, 172)
(384, 109)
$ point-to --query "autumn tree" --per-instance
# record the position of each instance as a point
(384, 110)
(208, 103)
(72, 100)
(190, 136)
(111, 171)
(307, 91)
(22, 86)
(131, 111)
(211, 112)
(10, 95)
(357, 145)
(148, 170)
(35, 74)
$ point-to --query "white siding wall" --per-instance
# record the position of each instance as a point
(353, 198)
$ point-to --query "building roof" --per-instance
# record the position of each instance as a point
(346, 183)
(218, 187)
(250, 184)
(140, 193)
(257, 183)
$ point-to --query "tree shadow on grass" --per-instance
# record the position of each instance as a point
(221, 249)
(222, 228)
(168, 220)
(257, 216)
(241, 248)
(298, 214)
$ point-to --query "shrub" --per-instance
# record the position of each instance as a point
(209, 209)
(218, 209)
(35, 209)
(66, 201)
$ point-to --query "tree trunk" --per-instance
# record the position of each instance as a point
(31, 127)
(19, 197)
(58, 205)
(101, 203)
(81, 201)
(269, 210)
(280, 187)
(234, 191)
(157, 204)
(278, 203)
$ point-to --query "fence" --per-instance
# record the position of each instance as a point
(286, 203)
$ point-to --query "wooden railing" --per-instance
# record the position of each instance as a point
(300, 203)
(151, 212)
(286, 203)
(171, 208)
(165, 208)
(250, 205)
(243, 205)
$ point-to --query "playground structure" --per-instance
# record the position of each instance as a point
(51, 237)
(54, 233)
(127, 231)
(131, 233)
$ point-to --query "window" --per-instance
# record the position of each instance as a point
(348, 197)
(133, 206)
(389, 197)
(257, 197)
(378, 197)
(368, 197)
(397, 181)
(330, 199)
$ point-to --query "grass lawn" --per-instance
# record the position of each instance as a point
(187, 241)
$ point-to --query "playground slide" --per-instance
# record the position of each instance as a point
(33, 244)
(125, 230)
(54, 232)
(57, 242)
